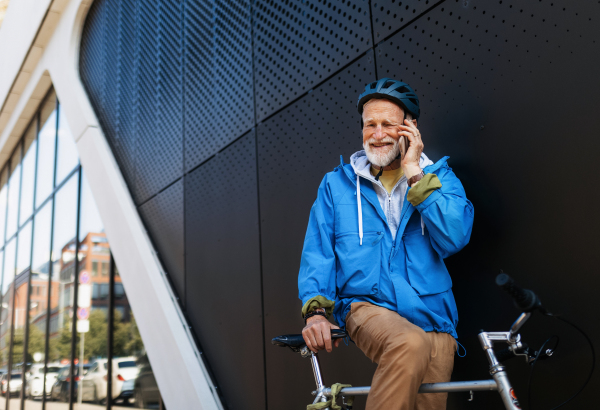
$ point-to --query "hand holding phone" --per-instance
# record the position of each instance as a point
(412, 145)
(404, 144)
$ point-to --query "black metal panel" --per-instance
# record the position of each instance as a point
(218, 77)
(163, 215)
(509, 91)
(105, 76)
(300, 43)
(124, 140)
(390, 15)
(296, 147)
(159, 144)
(525, 71)
(223, 271)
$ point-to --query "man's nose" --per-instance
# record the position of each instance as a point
(379, 132)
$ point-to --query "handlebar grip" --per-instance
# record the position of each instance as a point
(338, 334)
(504, 354)
(524, 299)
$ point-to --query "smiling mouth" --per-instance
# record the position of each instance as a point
(381, 145)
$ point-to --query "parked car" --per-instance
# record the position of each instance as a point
(34, 388)
(94, 383)
(127, 392)
(16, 382)
(60, 388)
(145, 390)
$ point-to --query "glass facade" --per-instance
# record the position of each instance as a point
(68, 337)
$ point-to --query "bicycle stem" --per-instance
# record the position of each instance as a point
(514, 329)
(497, 371)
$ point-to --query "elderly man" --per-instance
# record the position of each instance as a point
(374, 252)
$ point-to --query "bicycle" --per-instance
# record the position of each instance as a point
(526, 300)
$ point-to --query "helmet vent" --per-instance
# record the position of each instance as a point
(373, 85)
(388, 84)
(403, 89)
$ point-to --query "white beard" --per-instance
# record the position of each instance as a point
(382, 159)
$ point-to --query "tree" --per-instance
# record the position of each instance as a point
(127, 340)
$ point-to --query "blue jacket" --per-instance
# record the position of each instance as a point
(406, 275)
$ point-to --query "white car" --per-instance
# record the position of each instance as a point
(94, 382)
(15, 384)
(35, 380)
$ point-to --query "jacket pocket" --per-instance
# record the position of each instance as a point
(426, 270)
(359, 266)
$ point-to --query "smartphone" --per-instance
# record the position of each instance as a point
(404, 144)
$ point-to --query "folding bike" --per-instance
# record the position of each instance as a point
(526, 300)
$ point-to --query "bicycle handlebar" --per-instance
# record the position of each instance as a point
(507, 353)
(524, 299)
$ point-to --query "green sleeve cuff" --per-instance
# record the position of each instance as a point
(318, 302)
(419, 192)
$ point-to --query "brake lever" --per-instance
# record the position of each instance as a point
(542, 355)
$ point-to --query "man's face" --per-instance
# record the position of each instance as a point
(381, 119)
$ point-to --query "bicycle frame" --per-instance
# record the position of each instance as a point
(499, 381)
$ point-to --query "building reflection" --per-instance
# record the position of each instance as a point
(66, 327)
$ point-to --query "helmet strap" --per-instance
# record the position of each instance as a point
(379, 174)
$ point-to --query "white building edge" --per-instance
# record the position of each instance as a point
(39, 49)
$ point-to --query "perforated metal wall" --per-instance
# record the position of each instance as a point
(218, 76)
(163, 215)
(224, 117)
(300, 43)
(223, 288)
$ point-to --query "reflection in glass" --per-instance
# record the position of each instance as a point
(62, 279)
(38, 309)
(24, 251)
(94, 253)
(6, 315)
(39, 265)
(66, 150)
(46, 144)
(28, 172)
(139, 385)
(14, 188)
(3, 202)
(20, 318)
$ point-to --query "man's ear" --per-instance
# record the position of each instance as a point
(415, 123)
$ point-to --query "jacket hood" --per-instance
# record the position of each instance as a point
(361, 165)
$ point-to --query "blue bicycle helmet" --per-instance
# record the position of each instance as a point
(393, 90)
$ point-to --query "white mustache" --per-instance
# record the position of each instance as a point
(382, 141)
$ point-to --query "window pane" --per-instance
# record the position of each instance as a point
(67, 158)
(24, 251)
(129, 347)
(7, 304)
(28, 173)
(21, 309)
(14, 188)
(46, 142)
(93, 254)
(3, 202)
(62, 279)
(38, 309)
(41, 240)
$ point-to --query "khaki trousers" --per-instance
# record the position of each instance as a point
(406, 356)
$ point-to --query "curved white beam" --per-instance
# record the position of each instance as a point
(178, 368)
